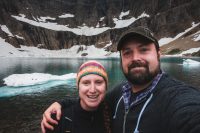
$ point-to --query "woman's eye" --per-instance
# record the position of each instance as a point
(99, 82)
(86, 83)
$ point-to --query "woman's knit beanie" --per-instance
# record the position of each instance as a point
(91, 67)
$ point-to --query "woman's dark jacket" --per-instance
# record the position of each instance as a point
(76, 120)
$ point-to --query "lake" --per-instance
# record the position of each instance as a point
(22, 106)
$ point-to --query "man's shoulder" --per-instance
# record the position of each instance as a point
(114, 94)
(169, 83)
(116, 90)
(177, 92)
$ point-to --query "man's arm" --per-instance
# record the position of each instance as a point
(55, 108)
(67, 102)
(57, 128)
(47, 121)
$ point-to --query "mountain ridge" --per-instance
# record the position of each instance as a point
(166, 19)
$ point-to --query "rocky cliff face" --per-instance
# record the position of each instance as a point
(166, 18)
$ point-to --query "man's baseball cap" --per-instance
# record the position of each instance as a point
(138, 32)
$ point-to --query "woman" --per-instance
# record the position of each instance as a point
(90, 114)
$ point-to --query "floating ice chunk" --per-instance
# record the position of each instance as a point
(34, 79)
(7, 91)
(191, 62)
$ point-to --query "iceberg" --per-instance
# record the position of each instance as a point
(34, 79)
(190, 62)
(17, 84)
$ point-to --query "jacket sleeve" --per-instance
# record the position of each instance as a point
(67, 102)
(185, 111)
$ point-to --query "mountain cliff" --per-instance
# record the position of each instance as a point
(61, 24)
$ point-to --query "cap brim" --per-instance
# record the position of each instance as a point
(128, 35)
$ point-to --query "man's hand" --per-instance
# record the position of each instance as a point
(47, 121)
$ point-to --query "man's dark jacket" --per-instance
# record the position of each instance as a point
(174, 108)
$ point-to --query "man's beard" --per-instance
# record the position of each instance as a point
(143, 77)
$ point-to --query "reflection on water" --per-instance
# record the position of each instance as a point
(22, 113)
(189, 73)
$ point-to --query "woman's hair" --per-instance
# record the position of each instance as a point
(107, 117)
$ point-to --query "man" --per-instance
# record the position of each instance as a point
(149, 101)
